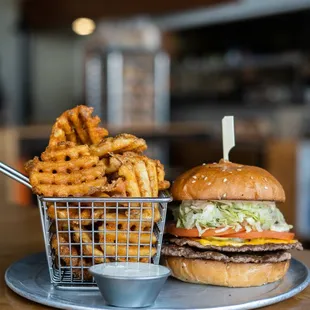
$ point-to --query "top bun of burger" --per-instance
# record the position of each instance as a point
(227, 181)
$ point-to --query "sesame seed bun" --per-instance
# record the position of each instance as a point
(227, 181)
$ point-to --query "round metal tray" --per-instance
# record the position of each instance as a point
(29, 278)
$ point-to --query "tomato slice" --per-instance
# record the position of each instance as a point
(262, 234)
(228, 233)
(183, 232)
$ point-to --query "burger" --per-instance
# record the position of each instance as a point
(228, 230)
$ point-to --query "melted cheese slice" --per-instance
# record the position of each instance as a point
(231, 242)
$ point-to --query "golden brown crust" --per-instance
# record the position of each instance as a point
(120, 144)
(111, 249)
(145, 176)
(225, 274)
(79, 126)
(227, 181)
(66, 170)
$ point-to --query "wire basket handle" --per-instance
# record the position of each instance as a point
(14, 174)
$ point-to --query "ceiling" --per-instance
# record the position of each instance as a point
(232, 12)
(46, 14)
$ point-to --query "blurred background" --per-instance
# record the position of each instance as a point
(167, 71)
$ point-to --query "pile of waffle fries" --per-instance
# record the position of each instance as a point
(81, 160)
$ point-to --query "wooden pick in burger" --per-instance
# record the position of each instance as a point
(228, 135)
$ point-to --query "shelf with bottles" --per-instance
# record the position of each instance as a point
(239, 79)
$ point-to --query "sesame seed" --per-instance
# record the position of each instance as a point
(251, 178)
(214, 163)
(194, 177)
(225, 180)
(239, 169)
(193, 181)
(209, 183)
(205, 178)
(224, 169)
(266, 187)
(202, 176)
(265, 179)
(224, 195)
(229, 171)
(204, 164)
(240, 166)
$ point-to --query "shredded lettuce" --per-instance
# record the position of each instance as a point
(224, 214)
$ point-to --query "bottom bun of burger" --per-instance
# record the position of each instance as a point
(225, 274)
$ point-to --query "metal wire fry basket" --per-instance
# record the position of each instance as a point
(81, 232)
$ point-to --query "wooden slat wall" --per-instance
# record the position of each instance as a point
(281, 162)
(9, 154)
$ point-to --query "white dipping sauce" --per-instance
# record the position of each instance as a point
(130, 270)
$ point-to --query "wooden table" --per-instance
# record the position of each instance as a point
(20, 235)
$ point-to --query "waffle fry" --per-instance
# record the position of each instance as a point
(123, 235)
(65, 151)
(132, 186)
(110, 250)
(119, 144)
(112, 165)
(83, 266)
(125, 224)
(78, 126)
(68, 177)
(76, 212)
(84, 216)
(71, 259)
(143, 251)
(144, 176)
(152, 174)
(74, 215)
(59, 175)
(63, 250)
(162, 183)
(87, 247)
(117, 188)
(78, 190)
(35, 165)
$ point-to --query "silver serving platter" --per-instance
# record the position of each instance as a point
(29, 278)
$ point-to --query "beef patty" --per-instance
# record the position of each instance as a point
(227, 257)
(243, 248)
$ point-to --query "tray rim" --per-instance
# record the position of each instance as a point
(254, 304)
